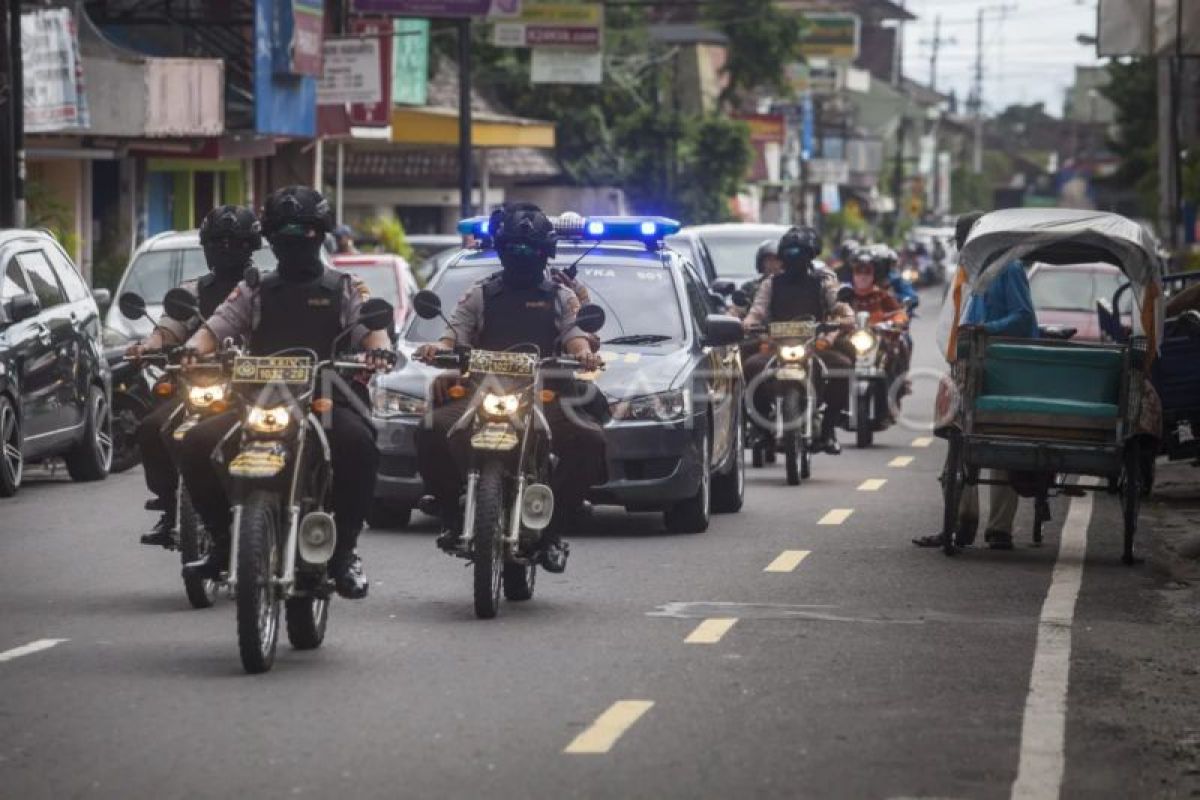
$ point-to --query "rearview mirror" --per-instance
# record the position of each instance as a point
(740, 298)
(427, 304)
(252, 277)
(721, 330)
(21, 307)
(590, 318)
(376, 314)
(132, 305)
(180, 305)
(103, 298)
(723, 287)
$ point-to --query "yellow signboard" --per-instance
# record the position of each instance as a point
(832, 36)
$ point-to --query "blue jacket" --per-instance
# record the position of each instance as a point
(1006, 308)
(903, 290)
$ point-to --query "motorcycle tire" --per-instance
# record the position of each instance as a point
(306, 618)
(791, 459)
(488, 544)
(257, 566)
(758, 455)
(194, 544)
(127, 418)
(805, 461)
(863, 435)
(518, 582)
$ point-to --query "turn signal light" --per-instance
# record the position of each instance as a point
(164, 389)
(218, 406)
(457, 392)
(322, 405)
(821, 344)
(548, 395)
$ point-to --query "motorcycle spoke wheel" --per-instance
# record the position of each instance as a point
(257, 567)
(488, 543)
(194, 544)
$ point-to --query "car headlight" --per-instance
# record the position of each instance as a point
(499, 406)
(661, 407)
(268, 420)
(863, 341)
(793, 352)
(205, 396)
(386, 403)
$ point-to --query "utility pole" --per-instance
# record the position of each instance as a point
(976, 101)
(12, 118)
(465, 179)
(935, 44)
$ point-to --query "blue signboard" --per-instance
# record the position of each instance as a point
(284, 104)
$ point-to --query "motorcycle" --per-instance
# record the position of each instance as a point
(204, 390)
(874, 347)
(280, 484)
(508, 499)
(132, 399)
(796, 410)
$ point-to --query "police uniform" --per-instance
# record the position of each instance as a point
(162, 477)
(789, 296)
(495, 316)
(281, 315)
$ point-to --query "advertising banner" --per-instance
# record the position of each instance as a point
(410, 62)
(832, 36)
(560, 65)
(378, 113)
(54, 99)
(296, 46)
(422, 8)
(285, 104)
(552, 25)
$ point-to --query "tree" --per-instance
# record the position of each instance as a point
(763, 40)
(1132, 88)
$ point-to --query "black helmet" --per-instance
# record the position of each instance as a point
(799, 245)
(523, 223)
(299, 207)
(231, 222)
(768, 249)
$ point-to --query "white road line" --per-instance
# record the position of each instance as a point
(922, 441)
(29, 649)
(872, 484)
(836, 516)
(900, 461)
(710, 631)
(787, 561)
(1044, 727)
(602, 734)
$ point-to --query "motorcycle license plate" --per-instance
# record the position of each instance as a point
(792, 330)
(494, 436)
(185, 426)
(272, 369)
(520, 365)
(259, 460)
(790, 374)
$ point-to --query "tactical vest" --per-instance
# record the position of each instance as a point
(211, 291)
(519, 316)
(796, 296)
(295, 315)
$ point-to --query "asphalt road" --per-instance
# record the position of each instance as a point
(863, 668)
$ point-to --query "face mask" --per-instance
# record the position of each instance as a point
(863, 282)
(524, 265)
(227, 258)
(299, 257)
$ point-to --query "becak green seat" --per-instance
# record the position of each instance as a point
(1043, 379)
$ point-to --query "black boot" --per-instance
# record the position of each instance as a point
(829, 443)
(349, 580)
(553, 555)
(450, 539)
(211, 566)
(163, 534)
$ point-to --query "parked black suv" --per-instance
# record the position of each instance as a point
(54, 382)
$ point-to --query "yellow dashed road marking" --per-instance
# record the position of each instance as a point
(922, 441)
(836, 516)
(710, 631)
(872, 484)
(900, 461)
(602, 734)
(787, 561)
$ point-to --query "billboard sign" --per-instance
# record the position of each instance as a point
(352, 73)
(54, 99)
(410, 62)
(377, 113)
(552, 25)
(296, 46)
(560, 65)
(832, 36)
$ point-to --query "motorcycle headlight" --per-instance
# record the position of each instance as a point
(793, 352)
(268, 420)
(661, 407)
(499, 406)
(910, 275)
(863, 341)
(386, 403)
(205, 396)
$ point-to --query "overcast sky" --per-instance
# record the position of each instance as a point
(1029, 51)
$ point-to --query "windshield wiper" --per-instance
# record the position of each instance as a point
(641, 338)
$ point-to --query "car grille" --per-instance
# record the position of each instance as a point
(648, 469)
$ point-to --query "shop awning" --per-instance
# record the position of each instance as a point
(432, 126)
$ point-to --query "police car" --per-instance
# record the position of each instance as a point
(672, 377)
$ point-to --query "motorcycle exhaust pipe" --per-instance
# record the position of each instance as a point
(318, 537)
(537, 506)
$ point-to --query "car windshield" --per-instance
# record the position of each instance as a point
(379, 278)
(194, 265)
(733, 253)
(152, 275)
(1075, 290)
(638, 298)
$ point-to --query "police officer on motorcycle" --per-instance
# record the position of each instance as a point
(518, 306)
(301, 305)
(801, 290)
(229, 236)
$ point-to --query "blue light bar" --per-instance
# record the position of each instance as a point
(626, 229)
(474, 226)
